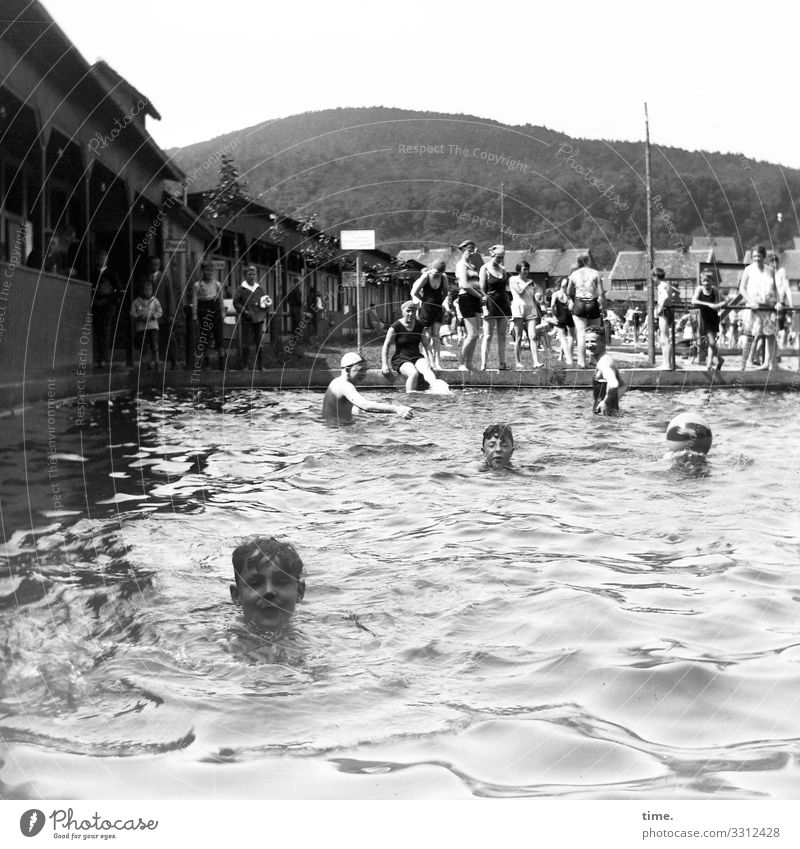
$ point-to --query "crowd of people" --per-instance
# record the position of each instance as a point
(489, 300)
(472, 317)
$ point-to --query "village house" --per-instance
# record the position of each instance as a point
(630, 272)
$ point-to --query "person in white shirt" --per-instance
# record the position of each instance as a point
(760, 292)
(251, 303)
(524, 313)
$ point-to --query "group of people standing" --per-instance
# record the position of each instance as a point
(175, 325)
(764, 304)
(489, 299)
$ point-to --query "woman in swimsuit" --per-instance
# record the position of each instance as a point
(406, 334)
(565, 326)
(588, 302)
(429, 292)
(706, 299)
(469, 301)
(493, 282)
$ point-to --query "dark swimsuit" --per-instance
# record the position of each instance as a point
(406, 344)
(562, 314)
(708, 319)
(497, 301)
(430, 312)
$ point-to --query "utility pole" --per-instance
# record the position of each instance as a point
(502, 205)
(651, 301)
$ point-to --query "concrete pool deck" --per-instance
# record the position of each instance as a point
(16, 394)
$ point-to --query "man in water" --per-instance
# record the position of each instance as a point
(607, 384)
(497, 446)
(342, 395)
(269, 580)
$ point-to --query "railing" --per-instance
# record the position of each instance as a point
(686, 309)
(45, 321)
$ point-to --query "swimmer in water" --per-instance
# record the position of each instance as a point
(341, 395)
(497, 446)
(269, 580)
(607, 383)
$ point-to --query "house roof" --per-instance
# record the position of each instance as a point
(677, 265)
(724, 247)
(102, 69)
(427, 256)
(790, 260)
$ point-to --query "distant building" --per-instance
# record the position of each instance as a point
(427, 256)
(724, 247)
(631, 270)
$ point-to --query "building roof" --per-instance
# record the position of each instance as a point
(790, 260)
(121, 86)
(724, 247)
(427, 256)
(677, 265)
(555, 262)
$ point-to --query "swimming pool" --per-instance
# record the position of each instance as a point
(606, 621)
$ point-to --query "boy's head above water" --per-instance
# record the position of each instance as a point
(498, 444)
(269, 580)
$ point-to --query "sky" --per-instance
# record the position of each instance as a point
(713, 78)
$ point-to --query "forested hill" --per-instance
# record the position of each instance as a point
(429, 178)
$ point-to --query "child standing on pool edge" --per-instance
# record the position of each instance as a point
(269, 580)
(146, 311)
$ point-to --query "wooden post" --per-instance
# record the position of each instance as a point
(358, 302)
(651, 339)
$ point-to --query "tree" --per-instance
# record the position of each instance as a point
(229, 195)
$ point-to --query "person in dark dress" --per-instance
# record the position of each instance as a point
(706, 299)
(106, 296)
(410, 359)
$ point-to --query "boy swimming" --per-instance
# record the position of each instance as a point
(341, 395)
(497, 446)
(607, 384)
(269, 580)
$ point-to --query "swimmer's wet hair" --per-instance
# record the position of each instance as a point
(498, 431)
(282, 554)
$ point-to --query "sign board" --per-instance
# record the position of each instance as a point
(219, 264)
(357, 240)
(349, 279)
(175, 246)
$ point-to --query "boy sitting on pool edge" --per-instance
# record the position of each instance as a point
(341, 395)
(607, 383)
(497, 446)
(269, 580)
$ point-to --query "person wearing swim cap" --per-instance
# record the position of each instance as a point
(341, 395)
(608, 387)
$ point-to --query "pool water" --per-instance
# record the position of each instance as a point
(606, 620)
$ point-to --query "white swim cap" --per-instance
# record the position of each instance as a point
(350, 359)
